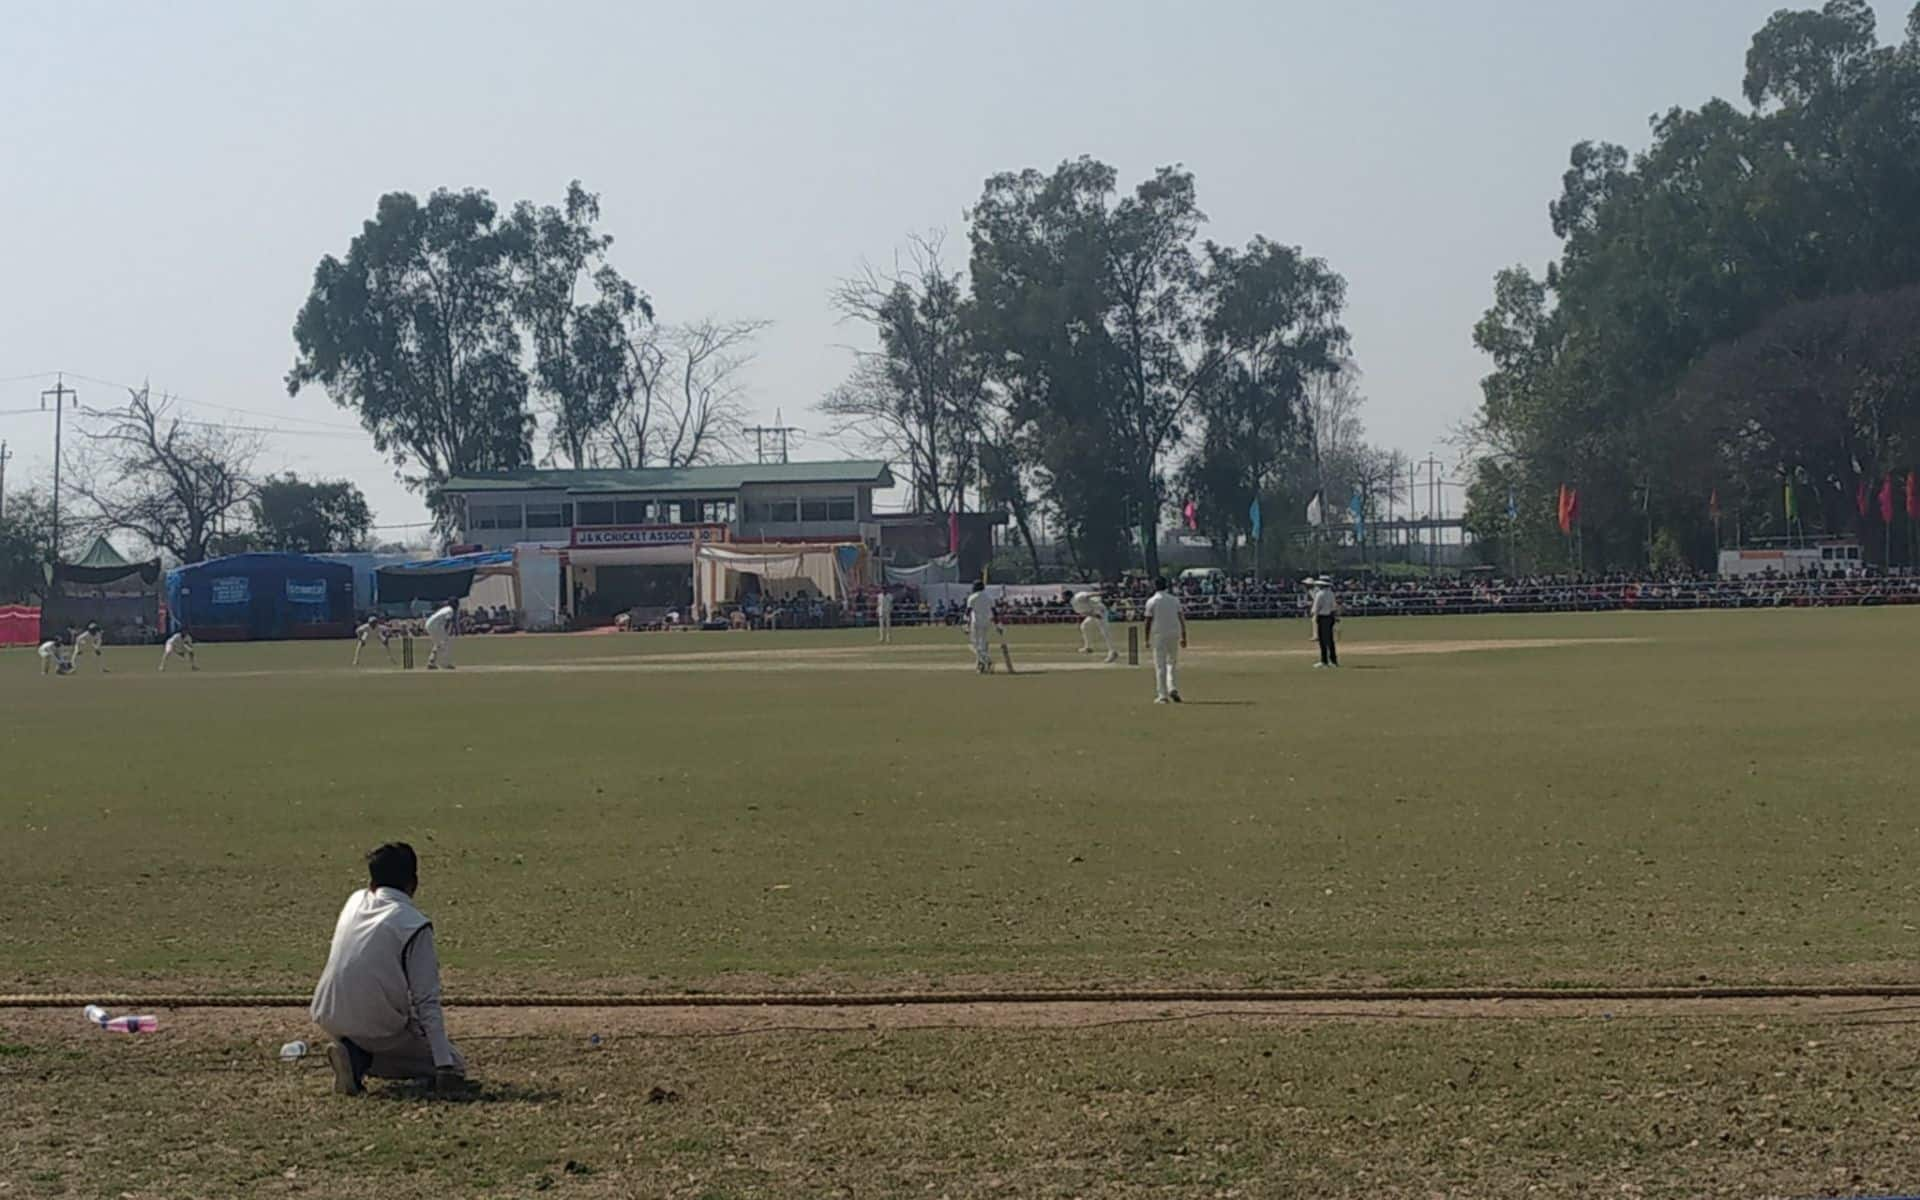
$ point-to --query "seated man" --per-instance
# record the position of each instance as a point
(380, 994)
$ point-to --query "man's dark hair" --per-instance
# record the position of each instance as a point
(1160, 581)
(393, 865)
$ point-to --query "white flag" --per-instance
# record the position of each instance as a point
(1316, 515)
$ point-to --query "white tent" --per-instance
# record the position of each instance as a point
(832, 570)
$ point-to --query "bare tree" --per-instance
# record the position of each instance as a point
(918, 399)
(147, 471)
(682, 396)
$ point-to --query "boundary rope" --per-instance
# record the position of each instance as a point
(1016, 996)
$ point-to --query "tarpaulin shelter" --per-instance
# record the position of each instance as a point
(365, 564)
(440, 579)
(103, 586)
(832, 570)
(259, 597)
(945, 569)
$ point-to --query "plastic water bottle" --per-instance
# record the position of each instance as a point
(132, 1024)
(293, 1051)
(95, 1015)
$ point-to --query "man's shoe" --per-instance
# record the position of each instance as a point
(1113, 656)
(1160, 700)
(349, 1065)
(1176, 697)
(1317, 666)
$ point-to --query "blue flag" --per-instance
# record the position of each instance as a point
(1358, 507)
(1513, 507)
(1253, 514)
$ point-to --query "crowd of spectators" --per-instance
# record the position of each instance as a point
(1223, 597)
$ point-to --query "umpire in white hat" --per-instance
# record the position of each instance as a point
(1324, 607)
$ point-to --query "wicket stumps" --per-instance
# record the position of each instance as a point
(1133, 645)
(406, 653)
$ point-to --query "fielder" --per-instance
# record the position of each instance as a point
(883, 610)
(979, 624)
(54, 660)
(1167, 634)
(1095, 619)
(440, 632)
(180, 645)
(372, 627)
(90, 638)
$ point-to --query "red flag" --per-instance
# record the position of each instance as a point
(1713, 506)
(1913, 493)
(1861, 498)
(953, 532)
(1193, 516)
(1886, 500)
(1569, 509)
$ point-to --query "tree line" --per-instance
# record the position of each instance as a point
(469, 338)
(1099, 365)
(1726, 347)
(182, 487)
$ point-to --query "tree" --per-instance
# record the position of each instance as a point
(1282, 390)
(681, 395)
(1729, 217)
(415, 332)
(25, 548)
(1826, 392)
(578, 312)
(310, 516)
(167, 480)
(918, 397)
(1089, 310)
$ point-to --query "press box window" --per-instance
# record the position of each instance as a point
(716, 512)
(840, 508)
(633, 512)
(547, 516)
(495, 516)
(783, 512)
(596, 512)
(814, 510)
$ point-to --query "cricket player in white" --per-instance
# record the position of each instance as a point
(1096, 619)
(883, 609)
(440, 632)
(180, 645)
(52, 660)
(1167, 634)
(979, 624)
(87, 639)
(371, 628)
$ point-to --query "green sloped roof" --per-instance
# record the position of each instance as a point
(102, 554)
(725, 478)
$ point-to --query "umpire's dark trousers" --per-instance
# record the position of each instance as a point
(1324, 627)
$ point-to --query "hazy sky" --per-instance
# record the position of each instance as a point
(172, 172)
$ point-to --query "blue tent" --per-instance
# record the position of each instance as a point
(256, 597)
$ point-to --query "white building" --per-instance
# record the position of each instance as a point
(626, 538)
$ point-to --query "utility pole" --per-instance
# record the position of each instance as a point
(1433, 506)
(5, 454)
(60, 393)
(762, 432)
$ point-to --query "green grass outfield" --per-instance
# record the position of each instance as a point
(1668, 798)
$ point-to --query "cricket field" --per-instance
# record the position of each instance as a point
(1483, 803)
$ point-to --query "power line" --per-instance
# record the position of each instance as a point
(188, 400)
